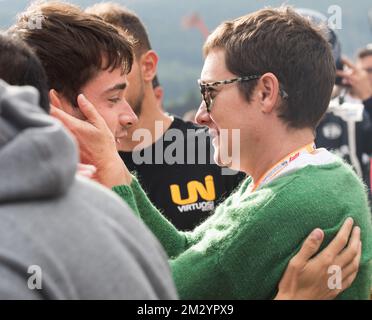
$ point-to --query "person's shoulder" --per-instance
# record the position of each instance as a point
(315, 196)
(337, 172)
(104, 203)
(317, 179)
(86, 189)
(80, 229)
(322, 191)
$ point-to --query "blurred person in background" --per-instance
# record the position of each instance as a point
(346, 132)
(338, 131)
(358, 77)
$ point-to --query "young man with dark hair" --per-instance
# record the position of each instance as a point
(84, 57)
(21, 67)
(167, 182)
(248, 83)
(62, 236)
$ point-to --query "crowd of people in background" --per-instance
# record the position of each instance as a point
(81, 104)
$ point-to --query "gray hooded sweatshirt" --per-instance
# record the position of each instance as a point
(62, 236)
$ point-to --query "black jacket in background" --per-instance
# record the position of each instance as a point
(332, 134)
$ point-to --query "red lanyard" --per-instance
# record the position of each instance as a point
(282, 164)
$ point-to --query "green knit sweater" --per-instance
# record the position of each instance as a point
(242, 250)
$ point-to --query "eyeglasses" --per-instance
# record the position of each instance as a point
(206, 94)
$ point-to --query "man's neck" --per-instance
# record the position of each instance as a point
(268, 154)
(149, 119)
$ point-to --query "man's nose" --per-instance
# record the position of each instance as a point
(127, 117)
(202, 116)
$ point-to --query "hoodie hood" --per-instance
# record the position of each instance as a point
(38, 158)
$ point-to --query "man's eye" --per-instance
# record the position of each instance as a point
(114, 100)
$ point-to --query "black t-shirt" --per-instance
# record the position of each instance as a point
(180, 176)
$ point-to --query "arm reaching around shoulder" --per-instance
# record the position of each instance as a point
(306, 277)
(96, 144)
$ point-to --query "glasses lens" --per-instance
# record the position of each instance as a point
(205, 95)
(208, 100)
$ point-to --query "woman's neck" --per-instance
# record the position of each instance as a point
(268, 154)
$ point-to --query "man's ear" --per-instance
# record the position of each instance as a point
(149, 65)
(58, 101)
(268, 88)
(54, 99)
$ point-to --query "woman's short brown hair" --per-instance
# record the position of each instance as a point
(284, 43)
(73, 46)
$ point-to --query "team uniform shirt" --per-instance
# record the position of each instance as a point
(332, 134)
(180, 176)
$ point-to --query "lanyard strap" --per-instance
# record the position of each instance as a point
(282, 164)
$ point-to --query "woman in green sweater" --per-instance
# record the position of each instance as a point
(269, 75)
(241, 252)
